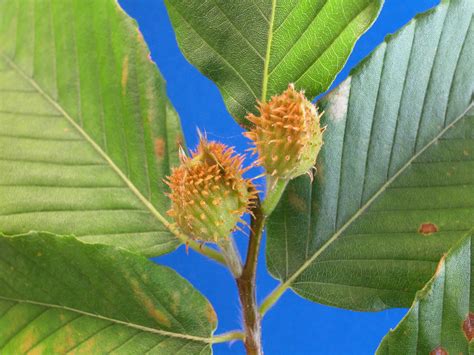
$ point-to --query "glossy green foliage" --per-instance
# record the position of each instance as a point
(441, 318)
(86, 131)
(394, 187)
(252, 49)
(58, 294)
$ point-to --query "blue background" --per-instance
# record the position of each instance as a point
(294, 325)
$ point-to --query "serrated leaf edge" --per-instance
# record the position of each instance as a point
(426, 289)
(287, 284)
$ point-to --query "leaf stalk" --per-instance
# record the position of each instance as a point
(230, 336)
(271, 299)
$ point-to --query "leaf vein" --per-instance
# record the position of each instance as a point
(131, 325)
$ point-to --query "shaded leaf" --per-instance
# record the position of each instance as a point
(252, 49)
(86, 131)
(394, 187)
(58, 294)
(441, 316)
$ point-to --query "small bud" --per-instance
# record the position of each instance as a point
(209, 193)
(287, 134)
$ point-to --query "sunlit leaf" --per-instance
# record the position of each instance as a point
(86, 131)
(252, 49)
(58, 295)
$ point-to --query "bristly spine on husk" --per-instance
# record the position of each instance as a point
(209, 193)
(287, 135)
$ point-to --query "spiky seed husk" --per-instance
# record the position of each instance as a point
(287, 134)
(209, 193)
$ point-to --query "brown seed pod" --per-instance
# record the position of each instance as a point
(287, 134)
(209, 193)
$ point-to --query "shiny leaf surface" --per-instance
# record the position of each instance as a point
(252, 49)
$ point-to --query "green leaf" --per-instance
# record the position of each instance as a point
(86, 131)
(252, 49)
(58, 294)
(441, 317)
(397, 161)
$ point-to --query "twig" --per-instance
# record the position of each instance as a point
(246, 284)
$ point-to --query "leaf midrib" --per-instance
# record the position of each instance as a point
(285, 285)
(116, 321)
(266, 63)
(96, 147)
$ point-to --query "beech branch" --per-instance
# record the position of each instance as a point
(246, 284)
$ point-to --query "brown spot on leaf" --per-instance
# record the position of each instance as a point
(29, 340)
(37, 350)
(68, 336)
(124, 75)
(89, 346)
(211, 314)
(155, 313)
(468, 326)
(438, 351)
(427, 228)
(175, 298)
(160, 147)
(297, 202)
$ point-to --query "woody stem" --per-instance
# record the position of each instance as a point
(246, 285)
